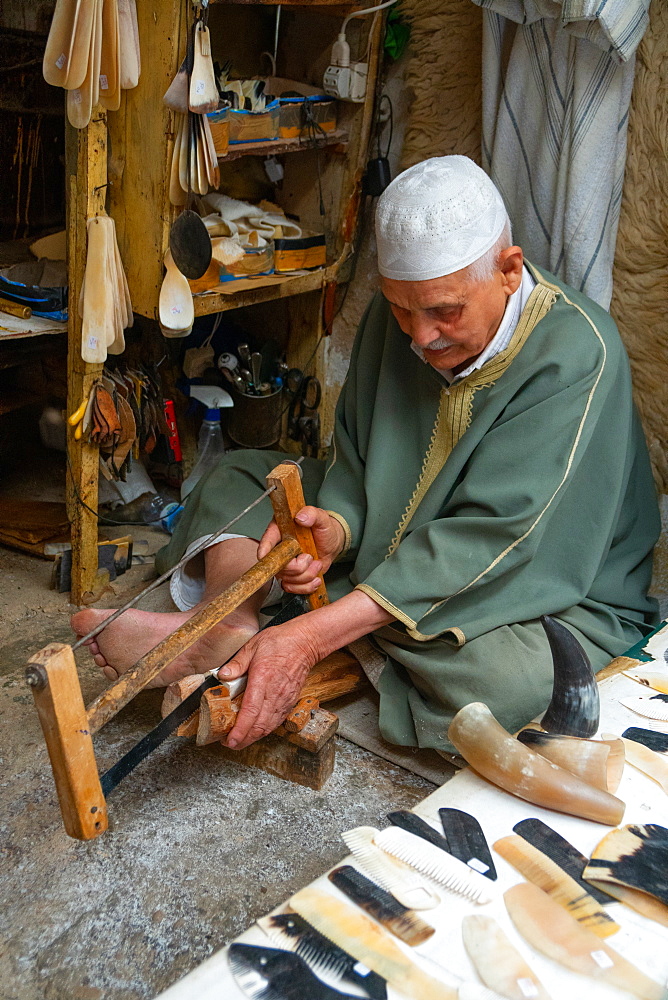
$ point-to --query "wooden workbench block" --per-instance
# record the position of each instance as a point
(275, 755)
(52, 675)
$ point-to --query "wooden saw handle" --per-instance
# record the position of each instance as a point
(287, 500)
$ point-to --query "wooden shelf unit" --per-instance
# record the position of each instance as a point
(124, 157)
(262, 290)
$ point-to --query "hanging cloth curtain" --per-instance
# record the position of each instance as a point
(557, 80)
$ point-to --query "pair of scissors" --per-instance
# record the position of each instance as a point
(303, 418)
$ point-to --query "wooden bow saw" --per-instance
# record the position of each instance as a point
(68, 725)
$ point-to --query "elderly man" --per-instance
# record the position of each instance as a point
(487, 467)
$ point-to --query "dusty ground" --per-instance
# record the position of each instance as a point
(197, 848)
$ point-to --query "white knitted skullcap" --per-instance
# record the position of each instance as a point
(437, 217)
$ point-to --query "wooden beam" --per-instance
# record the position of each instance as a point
(142, 135)
(52, 675)
(111, 701)
(87, 180)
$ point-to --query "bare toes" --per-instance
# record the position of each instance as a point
(100, 660)
(110, 673)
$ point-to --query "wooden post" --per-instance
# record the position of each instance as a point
(52, 675)
(287, 500)
(87, 184)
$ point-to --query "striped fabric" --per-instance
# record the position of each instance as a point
(557, 81)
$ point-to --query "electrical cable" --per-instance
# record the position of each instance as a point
(379, 126)
(369, 10)
(96, 513)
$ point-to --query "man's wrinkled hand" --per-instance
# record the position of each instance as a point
(277, 662)
(303, 575)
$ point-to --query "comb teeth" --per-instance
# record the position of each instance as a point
(410, 890)
(538, 868)
(561, 851)
(433, 862)
(289, 930)
(275, 974)
(253, 983)
(647, 707)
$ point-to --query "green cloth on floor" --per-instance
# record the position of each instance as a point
(471, 509)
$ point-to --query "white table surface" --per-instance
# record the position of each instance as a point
(640, 940)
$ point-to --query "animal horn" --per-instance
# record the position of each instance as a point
(493, 753)
(575, 706)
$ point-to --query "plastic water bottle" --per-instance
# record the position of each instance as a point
(210, 450)
(170, 515)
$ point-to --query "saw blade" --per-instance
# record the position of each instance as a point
(140, 751)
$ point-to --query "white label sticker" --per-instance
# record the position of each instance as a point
(176, 310)
(76, 96)
(361, 969)
(93, 343)
(602, 959)
(527, 987)
(104, 82)
(61, 60)
(477, 865)
(199, 86)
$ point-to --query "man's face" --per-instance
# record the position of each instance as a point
(452, 319)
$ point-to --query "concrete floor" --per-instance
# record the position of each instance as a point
(197, 848)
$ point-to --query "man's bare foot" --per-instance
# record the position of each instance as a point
(121, 644)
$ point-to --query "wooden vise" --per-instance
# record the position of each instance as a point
(69, 726)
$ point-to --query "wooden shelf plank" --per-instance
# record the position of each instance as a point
(273, 147)
(248, 292)
(297, 3)
(15, 328)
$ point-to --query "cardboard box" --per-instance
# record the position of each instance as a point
(305, 114)
(220, 129)
(307, 252)
(254, 126)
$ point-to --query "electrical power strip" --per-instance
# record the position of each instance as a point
(348, 83)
